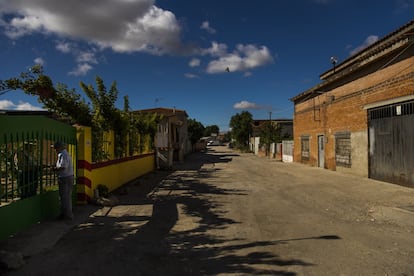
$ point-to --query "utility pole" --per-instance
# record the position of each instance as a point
(270, 131)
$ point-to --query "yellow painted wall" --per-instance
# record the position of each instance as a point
(84, 153)
(115, 175)
(84, 138)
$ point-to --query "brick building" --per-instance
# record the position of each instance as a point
(360, 118)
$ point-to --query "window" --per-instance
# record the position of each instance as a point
(343, 149)
(304, 143)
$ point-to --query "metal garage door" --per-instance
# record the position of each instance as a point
(391, 143)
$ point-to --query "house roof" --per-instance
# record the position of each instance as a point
(162, 110)
(402, 37)
(44, 113)
(26, 112)
(260, 121)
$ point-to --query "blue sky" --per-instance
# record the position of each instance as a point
(174, 53)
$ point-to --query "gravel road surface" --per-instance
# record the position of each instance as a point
(223, 212)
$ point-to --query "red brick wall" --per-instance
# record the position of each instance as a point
(342, 108)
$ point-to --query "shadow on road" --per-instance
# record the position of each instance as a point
(149, 245)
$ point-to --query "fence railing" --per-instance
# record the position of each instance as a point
(26, 164)
(26, 168)
(26, 155)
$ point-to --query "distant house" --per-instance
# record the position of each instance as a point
(360, 119)
(285, 127)
(171, 140)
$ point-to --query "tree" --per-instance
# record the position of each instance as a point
(68, 105)
(145, 125)
(63, 102)
(105, 117)
(211, 129)
(141, 128)
(104, 112)
(270, 133)
(102, 116)
(195, 130)
(32, 82)
(227, 136)
(241, 129)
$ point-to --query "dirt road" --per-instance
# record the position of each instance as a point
(228, 213)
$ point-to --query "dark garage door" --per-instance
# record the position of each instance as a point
(391, 143)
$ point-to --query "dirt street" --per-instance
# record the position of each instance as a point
(230, 213)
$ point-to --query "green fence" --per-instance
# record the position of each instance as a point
(27, 180)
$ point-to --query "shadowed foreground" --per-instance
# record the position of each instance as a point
(225, 213)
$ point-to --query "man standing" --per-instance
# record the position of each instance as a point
(64, 169)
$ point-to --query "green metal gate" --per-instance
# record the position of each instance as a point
(28, 185)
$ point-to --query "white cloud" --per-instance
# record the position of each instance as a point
(124, 26)
(206, 26)
(191, 76)
(216, 50)
(86, 57)
(83, 57)
(39, 61)
(245, 57)
(368, 41)
(20, 26)
(6, 104)
(81, 70)
(64, 47)
(246, 105)
(194, 62)
(27, 106)
(9, 105)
